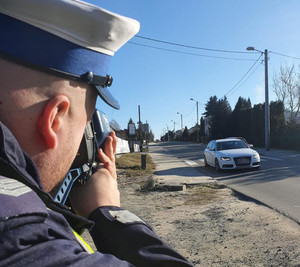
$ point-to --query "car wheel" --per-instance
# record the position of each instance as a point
(205, 162)
(217, 166)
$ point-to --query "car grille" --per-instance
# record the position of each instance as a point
(242, 161)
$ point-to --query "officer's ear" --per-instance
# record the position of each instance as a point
(52, 118)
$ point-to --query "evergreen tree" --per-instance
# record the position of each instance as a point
(185, 134)
(211, 106)
(257, 124)
(277, 118)
(239, 122)
(202, 125)
(220, 114)
(242, 104)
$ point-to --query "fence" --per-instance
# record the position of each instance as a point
(123, 146)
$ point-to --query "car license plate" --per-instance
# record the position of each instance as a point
(243, 161)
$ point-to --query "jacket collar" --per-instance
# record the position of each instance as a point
(15, 163)
(12, 153)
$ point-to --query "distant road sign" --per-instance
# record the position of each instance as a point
(145, 127)
(131, 129)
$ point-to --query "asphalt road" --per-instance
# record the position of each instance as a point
(276, 183)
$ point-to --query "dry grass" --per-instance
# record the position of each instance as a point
(202, 195)
(132, 166)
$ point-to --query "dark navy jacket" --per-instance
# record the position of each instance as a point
(36, 231)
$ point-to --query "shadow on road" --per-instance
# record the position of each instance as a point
(179, 171)
(265, 175)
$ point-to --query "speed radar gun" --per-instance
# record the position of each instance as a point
(85, 162)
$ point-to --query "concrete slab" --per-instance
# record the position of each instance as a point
(173, 171)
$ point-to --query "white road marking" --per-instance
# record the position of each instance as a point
(191, 163)
(266, 157)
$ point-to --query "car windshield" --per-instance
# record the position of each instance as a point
(236, 144)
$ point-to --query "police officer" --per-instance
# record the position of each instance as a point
(54, 56)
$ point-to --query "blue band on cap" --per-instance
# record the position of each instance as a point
(30, 44)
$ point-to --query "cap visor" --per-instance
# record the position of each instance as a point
(106, 96)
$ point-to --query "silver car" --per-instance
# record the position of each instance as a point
(230, 154)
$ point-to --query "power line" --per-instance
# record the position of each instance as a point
(245, 79)
(284, 55)
(192, 47)
(193, 109)
(187, 53)
(244, 75)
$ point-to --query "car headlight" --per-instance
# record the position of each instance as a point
(256, 156)
(225, 158)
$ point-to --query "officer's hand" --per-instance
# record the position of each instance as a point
(101, 188)
(107, 157)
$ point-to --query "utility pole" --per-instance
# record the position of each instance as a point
(197, 124)
(146, 131)
(174, 126)
(140, 130)
(181, 120)
(168, 132)
(267, 108)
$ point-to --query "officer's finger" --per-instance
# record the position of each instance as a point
(109, 148)
(107, 163)
(115, 141)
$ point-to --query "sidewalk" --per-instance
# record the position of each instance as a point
(171, 171)
(275, 152)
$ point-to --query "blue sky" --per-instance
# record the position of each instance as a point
(162, 82)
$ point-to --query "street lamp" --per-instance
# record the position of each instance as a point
(267, 108)
(174, 126)
(181, 120)
(197, 120)
(168, 133)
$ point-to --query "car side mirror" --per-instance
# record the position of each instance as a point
(250, 145)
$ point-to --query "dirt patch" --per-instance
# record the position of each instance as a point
(212, 227)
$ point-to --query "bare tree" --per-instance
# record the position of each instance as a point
(286, 85)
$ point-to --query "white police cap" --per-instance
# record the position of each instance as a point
(70, 37)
